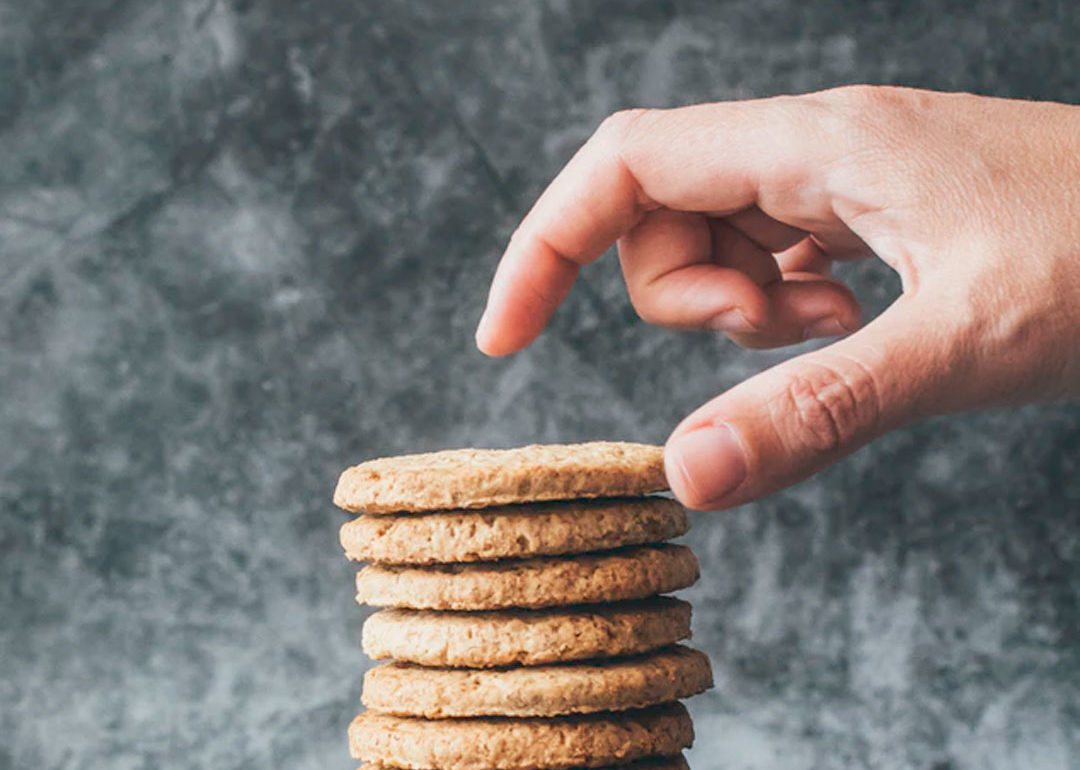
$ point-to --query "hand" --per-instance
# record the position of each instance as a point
(728, 217)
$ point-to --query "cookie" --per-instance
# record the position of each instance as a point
(543, 581)
(478, 478)
(553, 743)
(677, 762)
(513, 531)
(662, 676)
(525, 637)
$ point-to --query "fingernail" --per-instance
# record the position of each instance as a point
(825, 327)
(481, 328)
(730, 321)
(705, 465)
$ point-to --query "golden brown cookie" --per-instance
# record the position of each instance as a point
(528, 637)
(544, 581)
(513, 531)
(661, 676)
(478, 478)
(553, 743)
(677, 762)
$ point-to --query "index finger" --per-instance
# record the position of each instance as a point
(716, 158)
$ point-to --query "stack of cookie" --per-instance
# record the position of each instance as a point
(523, 615)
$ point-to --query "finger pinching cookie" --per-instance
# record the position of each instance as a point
(523, 617)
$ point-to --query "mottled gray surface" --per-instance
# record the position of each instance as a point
(243, 244)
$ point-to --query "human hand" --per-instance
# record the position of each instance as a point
(729, 215)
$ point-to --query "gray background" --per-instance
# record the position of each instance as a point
(244, 244)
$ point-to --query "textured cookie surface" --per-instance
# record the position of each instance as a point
(545, 581)
(528, 637)
(514, 531)
(477, 478)
(662, 676)
(553, 743)
(677, 762)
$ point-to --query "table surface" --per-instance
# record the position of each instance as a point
(244, 244)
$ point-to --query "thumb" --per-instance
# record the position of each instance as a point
(794, 419)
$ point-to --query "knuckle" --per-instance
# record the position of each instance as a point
(874, 125)
(617, 128)
(862, 111)
(859, 96)
(647, 310)
(828, 408)
(862, 101)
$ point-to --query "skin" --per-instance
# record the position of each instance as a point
(728, 216)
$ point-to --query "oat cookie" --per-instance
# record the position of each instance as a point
(478, 478)
(513, 531)
(661, 676)
(677, 762)
(544, 581)
(554, 743)
(527, 637)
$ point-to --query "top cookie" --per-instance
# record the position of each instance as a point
(478, 478)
